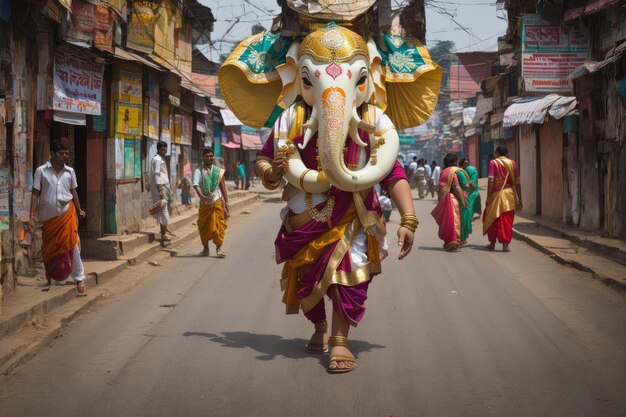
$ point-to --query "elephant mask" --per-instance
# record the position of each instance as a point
(339, 76)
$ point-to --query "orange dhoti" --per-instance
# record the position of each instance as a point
(60, 237)
(212, 223)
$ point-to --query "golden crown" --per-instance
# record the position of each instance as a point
(333, 43)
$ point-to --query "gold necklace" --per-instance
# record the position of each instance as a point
(323, 215)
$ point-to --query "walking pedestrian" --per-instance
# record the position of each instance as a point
(466, 211)
(504, 196)
(412, 168)
(241, 175)
(420, 179)
(208, 181)
(447, 213)
(320, 231)
(185, 191)
(54, 202)
(434, 178)
(160, 190)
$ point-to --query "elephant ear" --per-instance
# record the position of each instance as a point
(406, 80)
(250, 82)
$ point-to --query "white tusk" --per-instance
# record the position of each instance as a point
(353, 130)
(310, 128)
(354, 135)
(308, 134)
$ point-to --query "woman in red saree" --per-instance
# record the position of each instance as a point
(447, 213)
(504, 196)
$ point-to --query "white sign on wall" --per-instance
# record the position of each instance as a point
(550, 53)
(77, 84)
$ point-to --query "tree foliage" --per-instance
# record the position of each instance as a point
(257, 28)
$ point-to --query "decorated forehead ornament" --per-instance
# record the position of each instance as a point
(333, 43)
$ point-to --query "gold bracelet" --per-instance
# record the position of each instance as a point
(267, 183)
(302, 179)
(409, 221)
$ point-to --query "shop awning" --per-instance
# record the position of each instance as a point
(530, 110)
(229, 117)
(70, 118)
(484, 105)
(218, 102)
(489, 85)
(129, 56)
(591, 8)
(231, 145)
(590, 67)
(251, 141)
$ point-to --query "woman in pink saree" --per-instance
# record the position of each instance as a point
(447, 213)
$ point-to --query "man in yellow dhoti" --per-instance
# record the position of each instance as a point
(208, 181)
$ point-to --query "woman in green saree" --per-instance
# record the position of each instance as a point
(473, 197)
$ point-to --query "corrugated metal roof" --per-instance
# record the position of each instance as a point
(531, 110)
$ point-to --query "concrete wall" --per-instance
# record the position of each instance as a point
(128, 207)
(551, 143)
(528, 168)
(572, 204)
(95, 183)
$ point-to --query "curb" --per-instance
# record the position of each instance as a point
(603, 249)
(25, 352)
(609, 282)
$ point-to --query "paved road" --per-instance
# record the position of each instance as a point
(472, 333)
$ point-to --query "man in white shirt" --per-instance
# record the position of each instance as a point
(412, 169)
(160, 189)
(434, 178)
(54, 202)
(428, 170)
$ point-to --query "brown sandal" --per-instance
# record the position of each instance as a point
(81, 287)
(348, 360)
(316, 348)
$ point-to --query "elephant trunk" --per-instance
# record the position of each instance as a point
(336, 122)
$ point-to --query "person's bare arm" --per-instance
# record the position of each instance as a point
(34, 205)
(518, 189)
(400, 193)
(199, 192)
(80, 212)
(224, 197)
(459, 194)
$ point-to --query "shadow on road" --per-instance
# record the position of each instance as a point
(433, 248)
(271, 345)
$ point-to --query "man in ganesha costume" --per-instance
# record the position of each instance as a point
(328, 151)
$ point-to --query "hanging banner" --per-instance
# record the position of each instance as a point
(141, 27)
(127, 118)
(178, 128)
(153, 106)
(115, 158)
(128, 85)
(118, 6)
(550, 53)
(129, 158)
(187, 130)
(77, 84)
(103, 34)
